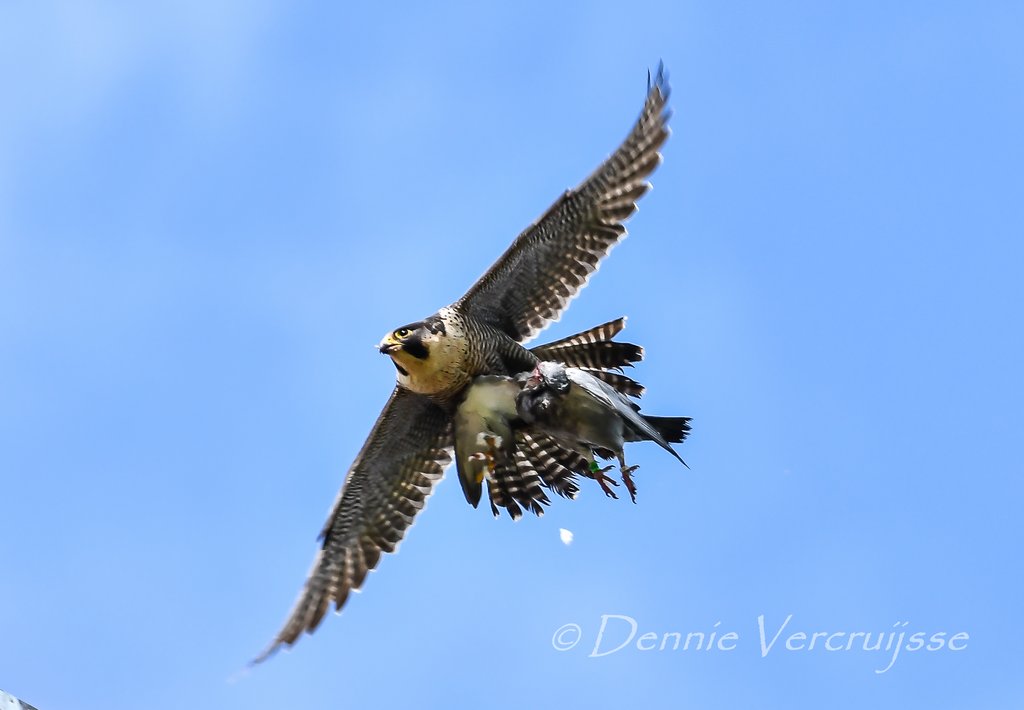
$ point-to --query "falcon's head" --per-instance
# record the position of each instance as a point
(408, 346)
(426, 357)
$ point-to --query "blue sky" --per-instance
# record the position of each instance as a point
(209, 215)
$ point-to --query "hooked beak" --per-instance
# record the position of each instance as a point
(387, 346)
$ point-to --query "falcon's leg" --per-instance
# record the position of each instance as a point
(487, 467)
(498, 480)
(489, 455)
(627, 476)
(597, 474)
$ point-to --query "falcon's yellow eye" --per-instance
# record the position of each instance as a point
(402, 332)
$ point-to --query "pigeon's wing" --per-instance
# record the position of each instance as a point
(601, 391)
(609, 397)
(546, 266)
(394, 473)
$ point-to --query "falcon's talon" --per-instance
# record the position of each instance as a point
(488, 466)
(490, 456)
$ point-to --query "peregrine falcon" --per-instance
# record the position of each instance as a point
(482, 333)
(583, 413)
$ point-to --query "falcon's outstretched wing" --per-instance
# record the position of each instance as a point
(534, 280)
(404, 456)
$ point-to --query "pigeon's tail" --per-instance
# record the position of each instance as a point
(673, 429)
(593, 349)
(670, 430)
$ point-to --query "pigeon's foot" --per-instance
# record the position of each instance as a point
(627, 480)
(598, 475)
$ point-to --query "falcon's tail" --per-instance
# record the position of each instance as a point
(556, 466)
(513, 488)
(539, 463)
(593, 349)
